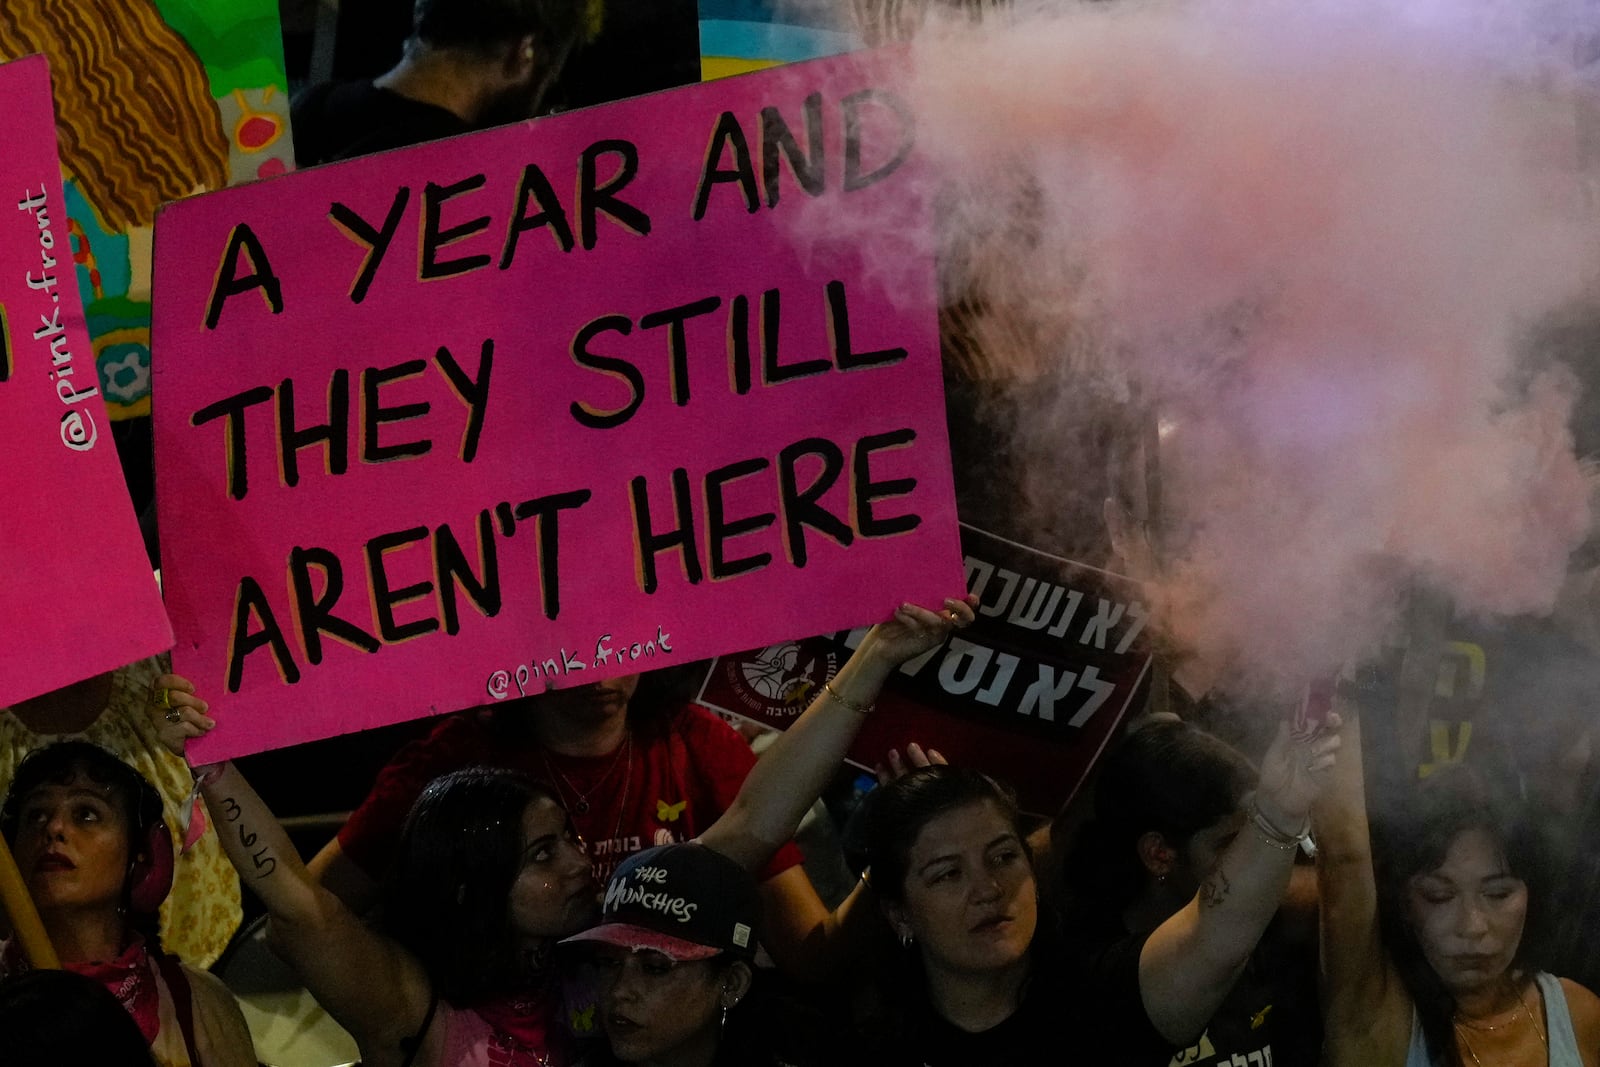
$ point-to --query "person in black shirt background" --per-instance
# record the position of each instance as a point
(468, 65)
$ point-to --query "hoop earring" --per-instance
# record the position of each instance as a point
(907, 939)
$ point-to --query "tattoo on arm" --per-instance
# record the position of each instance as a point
(264, 861)
(1214, 890)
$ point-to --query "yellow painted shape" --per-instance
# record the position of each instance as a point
(714, 67)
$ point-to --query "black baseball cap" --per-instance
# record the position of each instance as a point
(685, 901)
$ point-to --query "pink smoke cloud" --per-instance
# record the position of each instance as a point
(1317, 236)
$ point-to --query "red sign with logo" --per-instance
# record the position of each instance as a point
(1031, 692)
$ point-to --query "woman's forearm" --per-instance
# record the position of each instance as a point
(1340, 814)
(1238, 899)
(794, 771)
(257, 845)
(1365, 1004)
(1352, 950)
(1191, 961)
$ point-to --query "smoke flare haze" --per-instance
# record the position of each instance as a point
(1317, 240)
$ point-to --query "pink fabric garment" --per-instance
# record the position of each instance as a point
(511, 1032)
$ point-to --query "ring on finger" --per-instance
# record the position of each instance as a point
(174, 715)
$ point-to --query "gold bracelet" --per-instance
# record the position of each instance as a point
(859, 709)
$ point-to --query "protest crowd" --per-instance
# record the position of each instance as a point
(886, 845)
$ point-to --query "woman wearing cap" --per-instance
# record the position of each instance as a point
(674, 950)
(634, 768)
(88, 836)
(458, 977)
(678, 922)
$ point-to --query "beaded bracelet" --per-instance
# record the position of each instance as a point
(859, 709)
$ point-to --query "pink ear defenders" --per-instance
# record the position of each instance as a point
(151, 855)
(150, 873)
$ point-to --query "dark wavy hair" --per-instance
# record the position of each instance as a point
(1447, 804)
(892, 815)
(57, 764)
(1165, 776)
(447, 896)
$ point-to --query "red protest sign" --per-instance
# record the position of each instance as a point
(1031, 692)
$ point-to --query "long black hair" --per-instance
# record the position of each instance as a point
(1165, 776)
(1449, 803)
(447, 896)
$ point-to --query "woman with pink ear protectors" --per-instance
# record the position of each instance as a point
(94, 851)
(112, 710)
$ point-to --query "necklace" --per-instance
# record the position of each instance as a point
(580, 802)
(1462, 1028)
(627, 780)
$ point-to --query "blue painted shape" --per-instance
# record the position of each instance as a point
(771, 40)
(110, 250)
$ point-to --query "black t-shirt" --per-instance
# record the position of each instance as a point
(342, 120)
(1066, 1016)
(1254, 1025)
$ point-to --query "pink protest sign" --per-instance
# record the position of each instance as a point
(79, 596)
(549, 403)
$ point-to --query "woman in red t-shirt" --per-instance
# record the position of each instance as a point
(632, 769)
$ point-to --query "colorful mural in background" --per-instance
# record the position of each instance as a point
(738, 36)
(155, 100)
